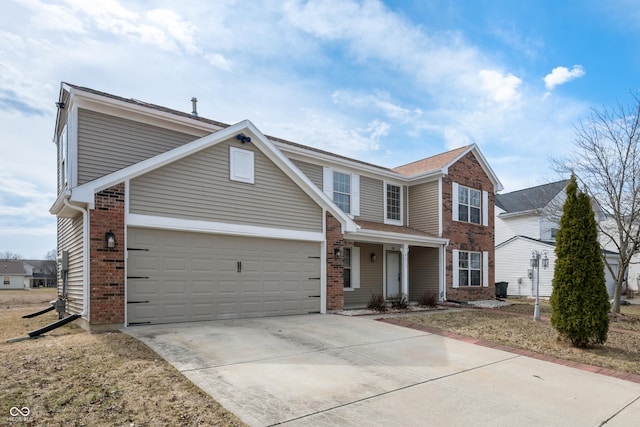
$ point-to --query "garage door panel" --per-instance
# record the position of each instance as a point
(202, 288)
(195, 277)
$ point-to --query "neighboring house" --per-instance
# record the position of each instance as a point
(12, 273)
(528, 220)
(40, 273)
(166, 217)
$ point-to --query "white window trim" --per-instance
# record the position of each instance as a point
(327, 188)
(247, 172)
(384, 198)
(355, 269)
(484, 208)
(484, 269)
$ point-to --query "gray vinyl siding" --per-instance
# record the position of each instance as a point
(198, 188)
(424, 207)
(371, 199)
(70, 233)
(313, 172)
(371, 274)
(108, 143)
(424, 272)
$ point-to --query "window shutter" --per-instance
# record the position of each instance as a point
(485, 208)
(355, 267)
(355, 194)
(485, 269)
(456, 264)
(327, 182)
(454, 200)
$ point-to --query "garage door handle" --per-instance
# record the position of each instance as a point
(137, 277)
(137, 302)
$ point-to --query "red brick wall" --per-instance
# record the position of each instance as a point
(464, 236)
(335, 266)
(106, 289)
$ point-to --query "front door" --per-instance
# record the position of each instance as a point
(393, 274)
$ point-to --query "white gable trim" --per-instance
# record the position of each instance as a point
(85, 193)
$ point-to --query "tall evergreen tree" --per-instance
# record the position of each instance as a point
(579, 301)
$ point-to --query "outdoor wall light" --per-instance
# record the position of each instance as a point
(110, 239)
(337, 253)
(60, 105)
(240, 137)
(373, 257)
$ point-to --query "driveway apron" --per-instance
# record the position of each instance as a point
(352, 371)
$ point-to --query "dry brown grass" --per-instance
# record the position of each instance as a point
(514, 326)
(74, 378)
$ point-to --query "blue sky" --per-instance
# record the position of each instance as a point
(387, 82)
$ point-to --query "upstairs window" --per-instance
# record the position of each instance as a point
(470, 205)
(342, 191)
(393, 204)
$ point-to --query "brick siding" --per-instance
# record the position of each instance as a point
(465, 236)
(335, 266)
(107, 268)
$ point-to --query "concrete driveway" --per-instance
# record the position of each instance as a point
(353, 371)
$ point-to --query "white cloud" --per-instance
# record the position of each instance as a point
(562, 75)
(501, 88)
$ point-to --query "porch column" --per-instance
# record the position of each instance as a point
(404, 250)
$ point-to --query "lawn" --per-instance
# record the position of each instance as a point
(72, 377)
(514, 326)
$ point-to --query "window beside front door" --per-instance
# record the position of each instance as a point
(351, 263)
(393, 204)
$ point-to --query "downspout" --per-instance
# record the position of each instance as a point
(85, 255)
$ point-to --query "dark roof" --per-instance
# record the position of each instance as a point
(530, 198)
(11, 267)
(424, 165)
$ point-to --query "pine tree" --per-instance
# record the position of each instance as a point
(579, 301)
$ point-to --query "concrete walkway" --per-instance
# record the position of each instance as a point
(352, 371)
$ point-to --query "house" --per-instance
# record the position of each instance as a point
(40, 273)
(12, 273)
(165, 216)
(528, 220)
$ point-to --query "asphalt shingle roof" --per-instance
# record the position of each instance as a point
(530, 198)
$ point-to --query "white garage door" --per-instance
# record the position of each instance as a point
(181, 277)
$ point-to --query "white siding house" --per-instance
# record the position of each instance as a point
(528, 220)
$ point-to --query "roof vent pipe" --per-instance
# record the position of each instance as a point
(194, 106)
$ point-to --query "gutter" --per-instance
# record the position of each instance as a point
(85, 254)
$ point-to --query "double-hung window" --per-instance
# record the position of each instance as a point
(470, 205)
(393, 204)
(6, 280)
(343, 188)
(470, 269)
(351, 264)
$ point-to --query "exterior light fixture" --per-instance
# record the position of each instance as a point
(110, 239)
(242, 138)
(373, 257)
(536, 256)
(337, 253)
